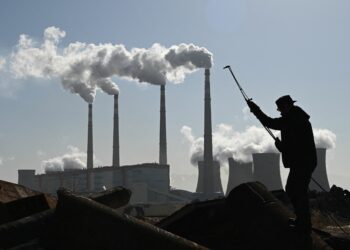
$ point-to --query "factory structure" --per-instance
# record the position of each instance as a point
(150, 182)
(265, 168)
(320, 173)
(239, 172)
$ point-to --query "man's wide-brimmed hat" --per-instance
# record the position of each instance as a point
(286, 99)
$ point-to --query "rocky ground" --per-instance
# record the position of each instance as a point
(330, 208)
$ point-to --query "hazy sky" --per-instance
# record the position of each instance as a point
(298, 47)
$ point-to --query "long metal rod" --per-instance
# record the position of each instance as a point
(239, 86)
(246, 98)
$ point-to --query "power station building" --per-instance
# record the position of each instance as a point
(267, 170)
(149, 182)
(217, 189)
(320, 173)
(239, 172)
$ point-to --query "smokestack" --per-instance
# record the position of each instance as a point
(208, 164)
(116, 160)
(239, 172)
(90, 150)
(320, 173)
(267, 170)
(162, 130)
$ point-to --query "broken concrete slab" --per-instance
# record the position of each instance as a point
(11, 191)
(114, 197)
(24, 207)
(27, 229)
(249, 218)
(101, 227)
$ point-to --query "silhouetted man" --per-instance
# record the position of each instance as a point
(298, 150)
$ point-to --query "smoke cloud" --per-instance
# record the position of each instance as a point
(84, 68)
(74, 159)
(324, 138)
(3, 160)
(2, 63)
(228, 142)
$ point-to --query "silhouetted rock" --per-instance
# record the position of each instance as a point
(24, 207)
(113, 197)
(11, 191)
(101, 227)
(249, 218)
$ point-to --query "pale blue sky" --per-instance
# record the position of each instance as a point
(298, 47)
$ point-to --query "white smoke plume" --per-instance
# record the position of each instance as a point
(3, 160)
(230, 143)
(324, 138)
(74, 159)
(246, 113)
(2, 63)
(84, 68)
(241, 145)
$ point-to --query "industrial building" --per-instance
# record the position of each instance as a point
(320, 173)
(267, 170)
(239, 172)
(217, 189)
(149, 182)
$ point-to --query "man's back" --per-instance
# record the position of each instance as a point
(298, 140)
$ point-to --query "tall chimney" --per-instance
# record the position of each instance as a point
(116, 159)
(162, 131)
(208, 176)
(320, 173)
(90, 150)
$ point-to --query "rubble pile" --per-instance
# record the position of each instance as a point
(336, 201)
(10, 192)
(79, 222)
(249, 218)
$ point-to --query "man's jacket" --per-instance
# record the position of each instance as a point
(298, 145)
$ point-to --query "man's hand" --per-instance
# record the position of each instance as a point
(279, 145)
(253, 107)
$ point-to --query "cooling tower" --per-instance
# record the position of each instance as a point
(116, 159)
(320, 173)
(267, 170)
(26, 177)
(239, 172)
(162, 130)
(210, 173)
(215, 169)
